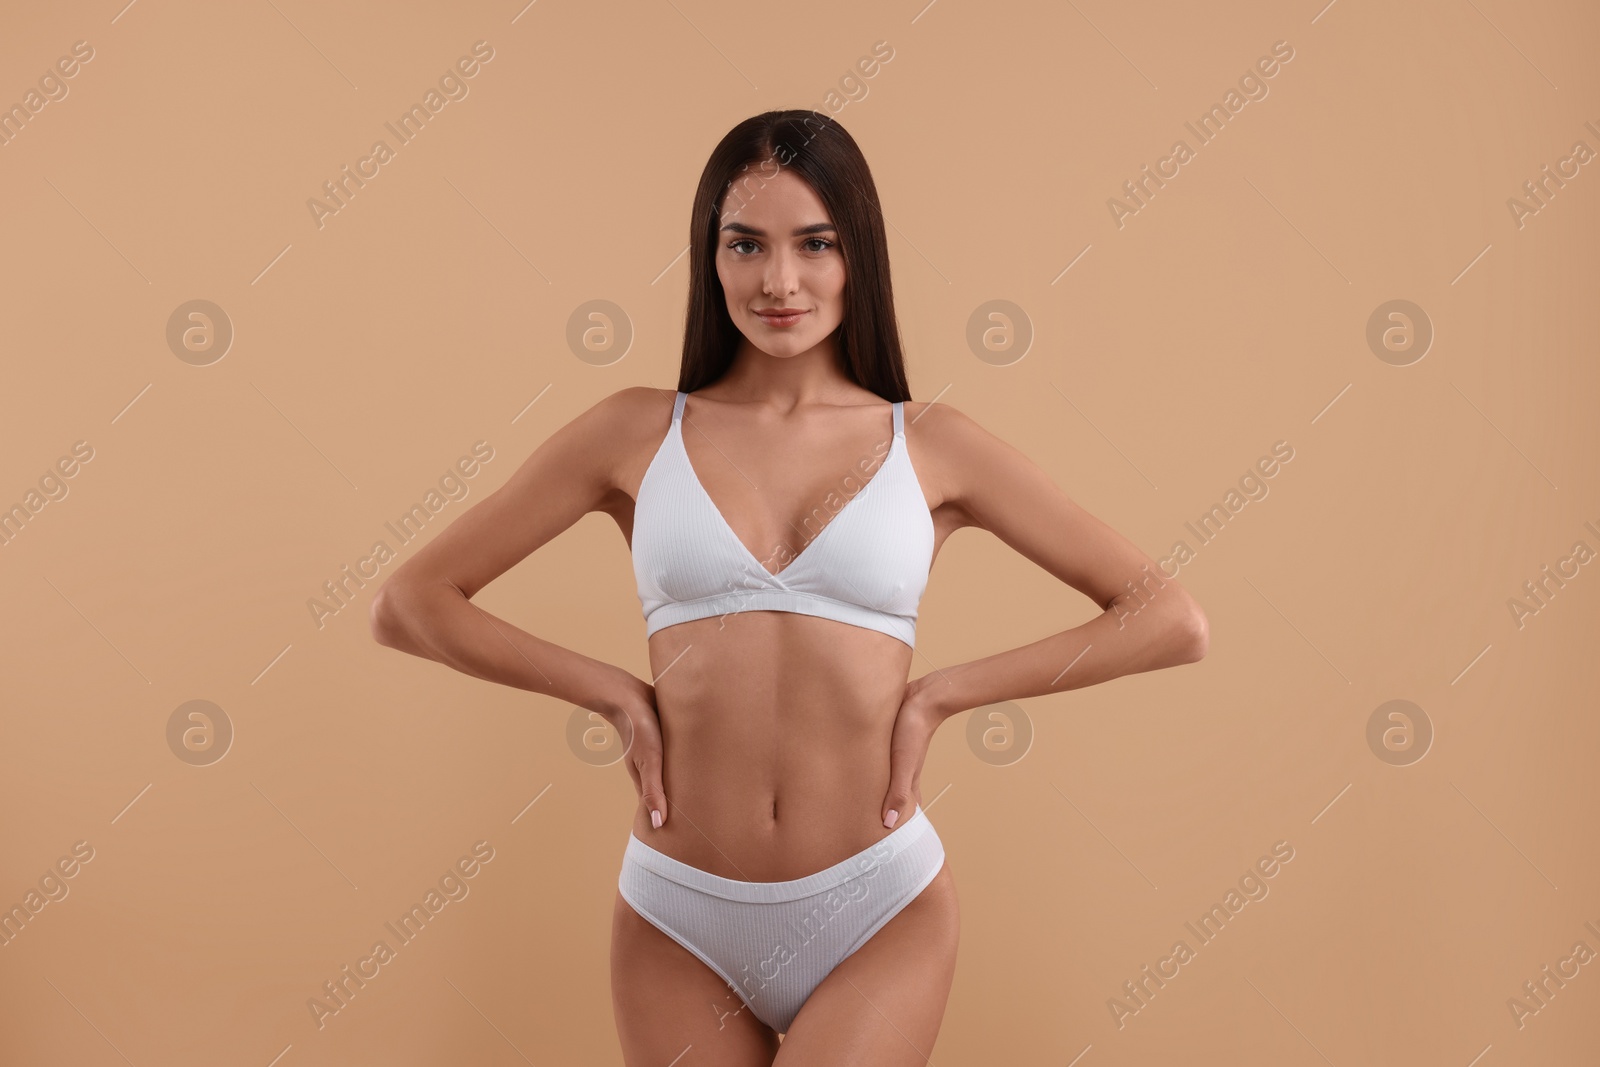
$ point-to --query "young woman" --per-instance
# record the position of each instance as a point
(783, 508)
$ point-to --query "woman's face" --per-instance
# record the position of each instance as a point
(777, 250)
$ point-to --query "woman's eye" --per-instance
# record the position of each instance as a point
(737, 246)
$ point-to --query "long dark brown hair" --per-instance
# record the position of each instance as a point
(826, 157)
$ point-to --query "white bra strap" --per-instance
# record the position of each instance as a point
(899, 418)
(677, 405)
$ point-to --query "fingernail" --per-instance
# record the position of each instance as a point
(889, 822)
(655, 818)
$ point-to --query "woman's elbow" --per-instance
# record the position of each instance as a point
(385, 616)
(1194, 636)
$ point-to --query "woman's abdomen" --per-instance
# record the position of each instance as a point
(776, 731)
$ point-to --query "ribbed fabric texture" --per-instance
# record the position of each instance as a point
(774, 942)
(868, 566)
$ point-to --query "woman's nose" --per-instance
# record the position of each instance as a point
(781, 275)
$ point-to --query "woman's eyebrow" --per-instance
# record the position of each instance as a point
(815, 227)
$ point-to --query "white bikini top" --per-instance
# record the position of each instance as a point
(867, 567)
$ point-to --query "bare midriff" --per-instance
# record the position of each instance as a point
(775, 735)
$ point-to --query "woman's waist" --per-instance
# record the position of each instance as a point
(745, 718)
(736, 823)
(913, 840)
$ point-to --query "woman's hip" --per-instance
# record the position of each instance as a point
(773, 941)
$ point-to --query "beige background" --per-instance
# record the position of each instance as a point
(432, 311)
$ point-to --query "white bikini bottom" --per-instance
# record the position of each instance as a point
(774, 942)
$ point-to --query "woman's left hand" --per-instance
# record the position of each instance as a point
(914, 725)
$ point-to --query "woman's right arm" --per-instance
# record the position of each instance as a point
(425, 608)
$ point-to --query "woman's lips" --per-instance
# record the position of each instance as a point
(781, 321)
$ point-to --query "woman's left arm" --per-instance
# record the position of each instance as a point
(1147, 621)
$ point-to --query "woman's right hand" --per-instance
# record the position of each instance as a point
(633, 715)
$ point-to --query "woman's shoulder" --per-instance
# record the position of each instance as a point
(611, 434)
(953, 451)
(631, 410)
(939, 424)
(633, 418)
